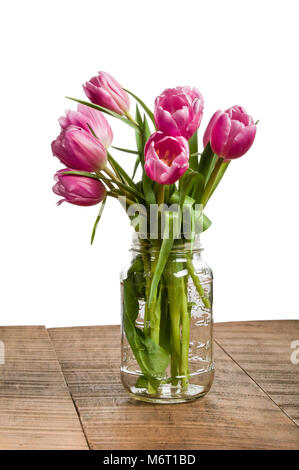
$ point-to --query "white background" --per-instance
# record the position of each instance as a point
(235, 52)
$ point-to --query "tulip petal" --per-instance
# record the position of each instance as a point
(97, 121)
(165, 122)
(181, 117)
(220, 133)
(166, 157)
(207, 134)
(116, 91)
(231, 133)
(79, 190)
(241, 143)
(178, 111)
(105, 91)
(79, 150)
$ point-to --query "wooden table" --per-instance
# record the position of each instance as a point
(60, 389)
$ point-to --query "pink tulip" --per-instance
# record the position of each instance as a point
(79, 149)
(230, 133)
(79, 190)
(85, 117)
(105, 91)
(166, 157)
(178, 111)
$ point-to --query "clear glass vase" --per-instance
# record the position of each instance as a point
(167, 330)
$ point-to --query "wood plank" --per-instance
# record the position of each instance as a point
(263, 349)
(36, 409)
(236, 414)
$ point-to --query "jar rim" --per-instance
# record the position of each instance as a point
(151, 245)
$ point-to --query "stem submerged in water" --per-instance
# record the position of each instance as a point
(184, 368)
(197, 284)
(175, 333)
(176, 283)
(167, 318)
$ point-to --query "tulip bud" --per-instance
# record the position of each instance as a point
(178, 111)
(166, 157)
(230, 133)
(80, 150)
(77, 189)
(87, 118)
(105, 91)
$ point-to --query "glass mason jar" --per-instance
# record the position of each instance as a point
(167, 330)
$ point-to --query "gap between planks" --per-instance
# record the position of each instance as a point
(72, 398)
(254, 381)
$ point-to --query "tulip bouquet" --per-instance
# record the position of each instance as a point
(177, 180)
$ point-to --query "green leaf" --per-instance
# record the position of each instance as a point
(142, 382)
(197, 188)
(137, 162)
(125, 150)
(211, 168)
(188, 223)
(121, 185)
(171, 218)
(139, 134)
(206, 223)
(146, 108)
(147, 184)
(148, 189)
(81, 173)
(105, 110)
(121, 171)
(195, 154)
(151, 357)
(142, 135)
(146, 130)
(219, 177)
(98, 220)
(174, 199)
(130, 189)
(193, 148)
(92, 131)
(207, 162)
(111, 160)
(200, 221)
(115, 193)
(192, 183)
(165, 322)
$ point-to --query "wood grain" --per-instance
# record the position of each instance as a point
(236, 414)
(263, 350)
(36, 410)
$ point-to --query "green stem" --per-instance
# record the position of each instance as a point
(135, 152)
(220, 174)
(184, 369)
(156, 319)
(211, 182)
(147, 268)
(175, 334)
(161, 193)
(116, 196)
(197, 284)
(173, 284)
(111, 174)
(116, 180)
(152, 314)
(132, 119)
(153, 305)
